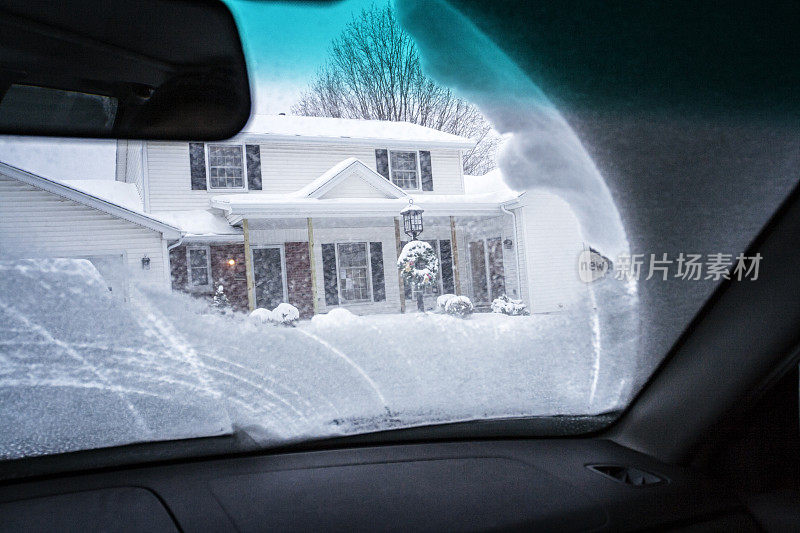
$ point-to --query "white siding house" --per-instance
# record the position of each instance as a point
(304, 210)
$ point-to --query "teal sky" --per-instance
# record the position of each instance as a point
(286, 42)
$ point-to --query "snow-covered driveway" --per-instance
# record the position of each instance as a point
(79, 369)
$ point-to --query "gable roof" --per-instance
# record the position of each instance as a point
(350, 167)
(90, 200)
(382, 133)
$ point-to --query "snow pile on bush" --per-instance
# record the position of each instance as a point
(338, 316)
(260, 316)
(285, 314)
(507, 306)
(458, 306)
(441, 302)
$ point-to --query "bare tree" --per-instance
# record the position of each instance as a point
(374, 72)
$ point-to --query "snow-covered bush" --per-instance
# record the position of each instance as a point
(220, 302)
(338, 316)
(285, 314)
(418, 264)
(459, 306)
(260, 316)
(441, 302)
(507, 306)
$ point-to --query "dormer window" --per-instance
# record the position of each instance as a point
(225, 166)
(404, 169)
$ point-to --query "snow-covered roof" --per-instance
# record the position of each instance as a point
(81, 194)
(117, 192)
(260, 205)
(347, 167)
(202, 225)
(327, 129)
(491, 182)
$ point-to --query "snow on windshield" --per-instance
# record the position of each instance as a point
(303, 220)
(82, 369)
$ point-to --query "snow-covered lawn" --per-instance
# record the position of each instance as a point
(79, 369)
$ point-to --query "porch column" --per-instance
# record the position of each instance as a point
(312, 264)
(399, 246)
(248, 267)
(454, 246)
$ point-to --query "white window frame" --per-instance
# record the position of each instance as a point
(371, 297)
(283, 267)
(419, 170)
(244, 167)
(210, 283)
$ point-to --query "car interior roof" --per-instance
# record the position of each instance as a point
(727, 347)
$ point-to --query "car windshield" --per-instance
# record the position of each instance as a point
(408, 232)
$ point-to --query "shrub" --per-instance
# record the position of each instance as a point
(260, 316)
(285, 314)
(507, 306)
(441, 302)
(220, 303)
(458, 306)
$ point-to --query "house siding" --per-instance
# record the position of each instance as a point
(37, 223)
(130, 163)
(285, 167)
(353, 187)
(553, 242)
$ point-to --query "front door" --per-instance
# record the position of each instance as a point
(268, 274)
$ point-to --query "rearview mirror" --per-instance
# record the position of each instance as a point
(150, 69)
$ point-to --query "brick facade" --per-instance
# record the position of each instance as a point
(232, 278)
(298, 277)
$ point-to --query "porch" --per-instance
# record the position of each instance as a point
(319, 263)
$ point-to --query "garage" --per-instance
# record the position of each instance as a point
(40, 217)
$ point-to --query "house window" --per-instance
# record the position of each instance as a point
(404, 169)
(198, 264)
(353, 266)
(225, 166)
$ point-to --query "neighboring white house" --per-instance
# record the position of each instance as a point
(307, 210)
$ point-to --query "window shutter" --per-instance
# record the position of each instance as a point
(425, 170)
(253, 167)
(382, 162)
(376, 263)
(406, 286)
(329, 274)
(446, 268)
(197, 162)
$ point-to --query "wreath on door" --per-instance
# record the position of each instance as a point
(418, 264)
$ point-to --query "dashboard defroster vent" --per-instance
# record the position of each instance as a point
(628, 475)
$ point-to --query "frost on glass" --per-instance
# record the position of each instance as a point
(84, 369)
